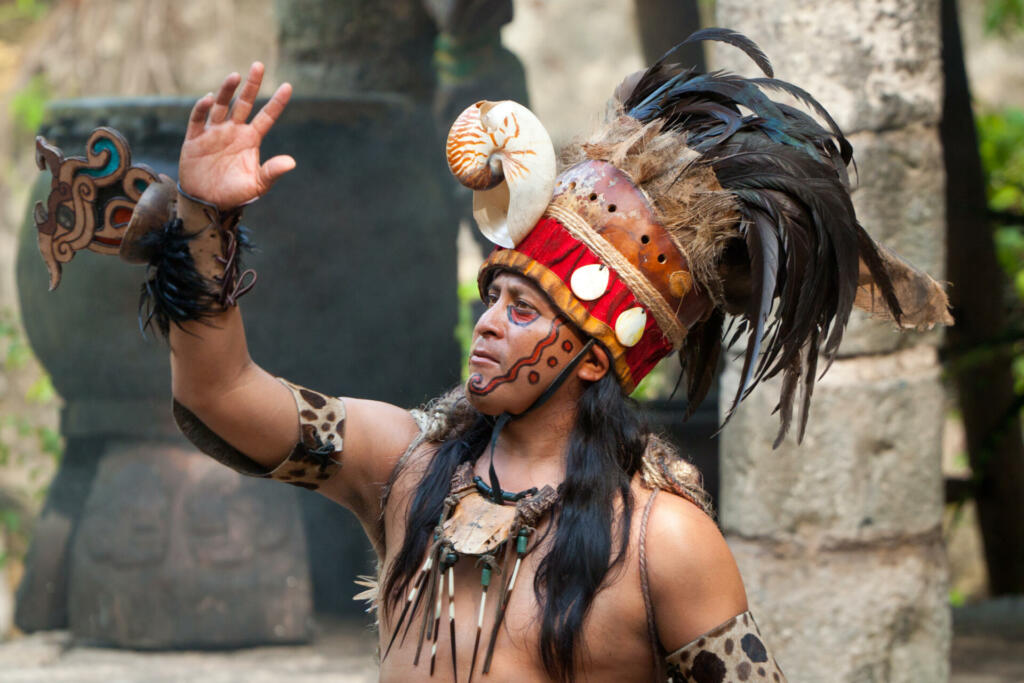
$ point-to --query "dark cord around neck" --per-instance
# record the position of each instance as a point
(506, 417)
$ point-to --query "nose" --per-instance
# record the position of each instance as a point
(489, 323)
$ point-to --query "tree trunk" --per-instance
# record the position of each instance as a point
(664, 23)
(985, 389)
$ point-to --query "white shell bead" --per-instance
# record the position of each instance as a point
(589, 282)
(629, 327)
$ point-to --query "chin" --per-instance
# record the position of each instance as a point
(487, 405)
(496, 403)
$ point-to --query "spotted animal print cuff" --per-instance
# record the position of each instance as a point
(313, 460)
(728, 653)
(317, 456)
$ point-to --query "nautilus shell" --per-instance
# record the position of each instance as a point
(501, 150)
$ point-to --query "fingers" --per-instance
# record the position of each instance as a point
(275, 167)
(221, 103)
(265, 118)
(246, 98)
(197, 119)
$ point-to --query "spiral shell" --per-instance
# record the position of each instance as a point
(502, 152)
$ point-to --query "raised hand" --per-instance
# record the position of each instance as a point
(220, 158)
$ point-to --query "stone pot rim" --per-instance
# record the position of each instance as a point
(301, 109)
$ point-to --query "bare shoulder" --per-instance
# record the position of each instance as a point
(695, 583)
(376, 436)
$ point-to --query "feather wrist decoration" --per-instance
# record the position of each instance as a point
(175, 291)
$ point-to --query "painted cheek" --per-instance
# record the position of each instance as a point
(559, 354)
(523, 368)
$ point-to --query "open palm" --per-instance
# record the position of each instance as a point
(220, 158)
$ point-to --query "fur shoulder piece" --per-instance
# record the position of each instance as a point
(663, 468)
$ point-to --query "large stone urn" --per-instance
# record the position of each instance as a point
(143, 542)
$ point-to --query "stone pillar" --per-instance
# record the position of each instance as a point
(838, 539)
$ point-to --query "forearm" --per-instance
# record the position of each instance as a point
(208, 357)
(213, 376)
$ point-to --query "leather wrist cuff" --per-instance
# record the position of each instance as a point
(215, 239)
(193, 250)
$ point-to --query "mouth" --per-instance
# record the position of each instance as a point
(481, 357)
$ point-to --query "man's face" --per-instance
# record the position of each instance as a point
(520, 344)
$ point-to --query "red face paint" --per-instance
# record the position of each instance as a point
(520, 344)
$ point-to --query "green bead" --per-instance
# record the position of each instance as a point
(485, 576)
(521, 543)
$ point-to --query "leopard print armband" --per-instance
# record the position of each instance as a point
(317, 456)
(313, 460)
(729, 653)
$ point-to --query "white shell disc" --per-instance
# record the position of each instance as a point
(589, 282)
(629, 327)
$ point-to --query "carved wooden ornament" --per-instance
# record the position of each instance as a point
(91, 198)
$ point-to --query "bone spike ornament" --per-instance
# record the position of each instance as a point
(502, 151)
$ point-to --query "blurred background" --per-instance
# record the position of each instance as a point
(888, 546)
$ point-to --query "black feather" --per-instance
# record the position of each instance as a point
(174, 291)
(699, 358)
(725, 35)
(800, 240)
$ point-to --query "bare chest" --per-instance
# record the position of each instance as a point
(488, 619)
(450, 632)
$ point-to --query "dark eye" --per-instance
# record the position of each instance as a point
(525, 305)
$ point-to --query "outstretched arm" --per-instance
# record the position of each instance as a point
(213, 375)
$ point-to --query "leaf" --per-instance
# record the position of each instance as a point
(41, 391)
(50, 442)
(29, 104)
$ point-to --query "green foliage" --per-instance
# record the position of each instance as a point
(658, 384)
(1004, 16)
(33, 9)
(16, 14)
(1001, 145)
(1010, 251)
(41, 391)
(29, 104)
(468, 295)
(14, 352)
(22, 439)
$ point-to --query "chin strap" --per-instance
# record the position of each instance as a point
(506, 417)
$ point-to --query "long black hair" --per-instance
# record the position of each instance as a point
(605, 450)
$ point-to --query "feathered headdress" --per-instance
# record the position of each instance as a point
(702, 197)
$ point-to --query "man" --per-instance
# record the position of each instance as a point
(214, 378)
(517, 520)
